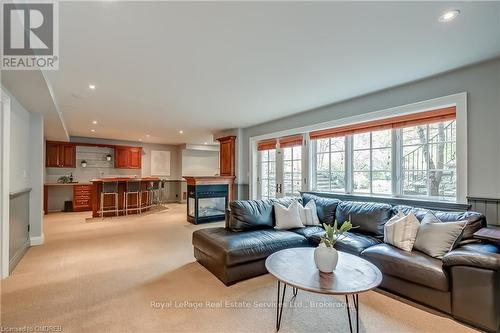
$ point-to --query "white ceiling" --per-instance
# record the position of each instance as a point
(31, 90)
(160, 67)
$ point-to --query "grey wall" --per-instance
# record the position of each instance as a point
(19, 219)
(481, 81)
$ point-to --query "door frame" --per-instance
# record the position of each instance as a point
(5, 106)
(255, 172)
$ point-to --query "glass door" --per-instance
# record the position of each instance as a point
(280, 172)
(291, 171)
(267, 174)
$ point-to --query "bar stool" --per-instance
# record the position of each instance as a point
(132, 187)
(153, 193)
(109, 189)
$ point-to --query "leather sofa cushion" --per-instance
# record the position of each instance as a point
(475, 221)
(325, 207)
(412, 266)
(309, 231)
(233, 248)
(481, 255)
(370, 217)
(353, 242)
(250, 214)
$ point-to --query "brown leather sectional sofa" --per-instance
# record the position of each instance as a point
(465, 284)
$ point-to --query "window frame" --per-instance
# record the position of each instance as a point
(459, 101)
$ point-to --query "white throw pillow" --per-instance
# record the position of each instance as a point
(287, 218)
(436, 238)
(308, 214)
(401, 231)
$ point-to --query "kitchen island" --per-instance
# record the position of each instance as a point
(109, 200)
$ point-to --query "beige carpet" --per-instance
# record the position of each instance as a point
(113, 276)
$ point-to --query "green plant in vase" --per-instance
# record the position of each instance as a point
(325, 255)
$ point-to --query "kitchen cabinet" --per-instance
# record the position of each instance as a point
(52, 155)
(227, 155)
(82, 200)
(128, 157)
(135, 158)
(60, 155)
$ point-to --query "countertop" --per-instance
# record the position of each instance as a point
(67, 184)
(123, 179)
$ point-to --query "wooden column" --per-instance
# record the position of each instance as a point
(227, 157)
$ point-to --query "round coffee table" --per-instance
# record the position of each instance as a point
(295, 267)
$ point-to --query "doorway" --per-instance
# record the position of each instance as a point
(280, 172)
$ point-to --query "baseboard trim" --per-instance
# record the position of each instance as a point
(16, 258)
(38, 240)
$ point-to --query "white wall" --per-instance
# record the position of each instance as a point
(26, 162)
(200, 162)
(36, 172)
(4, 182)
(481, 82)
(19, 147)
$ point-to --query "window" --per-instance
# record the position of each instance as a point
(329, 162)
(372, 168)
(268, 173)
(429, 160)
(411, 156)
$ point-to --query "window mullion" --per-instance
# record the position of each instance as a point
(349, 175)
(371, 164)
(427, 164)
(330, 165)
(396, 150)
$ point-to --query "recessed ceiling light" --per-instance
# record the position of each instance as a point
(205, 143)
(147, 135)
(140, 139)
(92, 130)
(449, 16)
(181, 131)
(94, 122)
(92, 86)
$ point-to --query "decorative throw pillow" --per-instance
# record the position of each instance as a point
(401, 231)
(436, 238)
(287, 218)
(308, 214)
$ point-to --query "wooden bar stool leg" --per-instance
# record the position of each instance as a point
(102, 205)
(116, 204)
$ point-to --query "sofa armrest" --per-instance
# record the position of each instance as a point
(480, 255)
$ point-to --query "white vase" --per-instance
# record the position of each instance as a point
(326, 258)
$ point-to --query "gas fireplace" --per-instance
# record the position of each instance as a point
(207, 198)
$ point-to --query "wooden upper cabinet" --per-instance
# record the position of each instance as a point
(135, 158)
(122, 155)
(60, 155)
(52, 155)
(227, 155)
(68, 156)
(128, 157)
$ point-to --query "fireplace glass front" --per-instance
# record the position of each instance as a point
(207, 203)
(211, 206)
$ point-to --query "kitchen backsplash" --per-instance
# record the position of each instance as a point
(97, 166)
